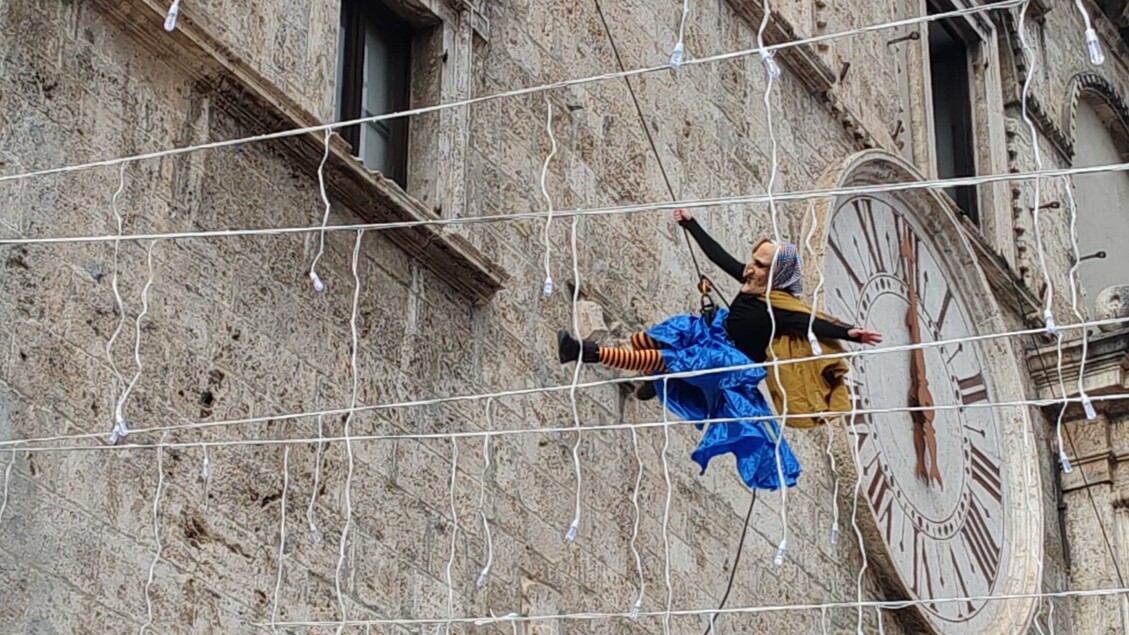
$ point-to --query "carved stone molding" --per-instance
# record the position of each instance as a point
(1106, 372)
(1110, 104)
(805, 64)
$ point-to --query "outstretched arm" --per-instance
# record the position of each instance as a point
(796, 323)
(715, 252)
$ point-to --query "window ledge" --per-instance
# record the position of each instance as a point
(259, 103)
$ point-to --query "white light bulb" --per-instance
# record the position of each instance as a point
(1088, 406)
(1094, 47)
(315, 535)
(634, 614)
(816, 349)
(119, 432)
(319, 286)
(1065, 462)
(835, 533)
(676, 57)
(1049, 319)
(570, 535)
(770, 64)
(170, 19)
(481, 582)
(204, 470)
(780, 552)
(547, 290)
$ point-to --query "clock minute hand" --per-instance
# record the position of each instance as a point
(925, 438)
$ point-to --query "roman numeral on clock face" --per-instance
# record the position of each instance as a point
(978, 539)
(973, 389)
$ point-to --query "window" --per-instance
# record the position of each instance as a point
(950, 67)
(373, 78)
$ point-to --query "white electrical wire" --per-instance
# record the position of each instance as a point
(119, 425)
(347, 430)
(454, 533)
(678, 54)
(1087, 405)
(853, 445)
(7, 479)
(119, 411)
(1037, 403)
(666, 515)
(294, 132)
(547, 289)
(281, 536)
(629, 209)
(315, 279)
(1048, 315)
(315, 535)
(156, 537)
(772, 72)
(1032, 64)
(892, 605)
(485, 573)
(570, 535)
(638, 606)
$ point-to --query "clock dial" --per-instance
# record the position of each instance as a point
(944, 537)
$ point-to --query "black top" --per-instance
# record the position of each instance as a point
(749, 325)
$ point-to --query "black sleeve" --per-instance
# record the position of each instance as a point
(715, 252)
(796, 323)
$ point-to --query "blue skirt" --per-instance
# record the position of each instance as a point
(694, 343)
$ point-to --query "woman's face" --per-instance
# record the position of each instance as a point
(756, 272)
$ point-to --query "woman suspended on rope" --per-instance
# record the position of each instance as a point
(738, 336)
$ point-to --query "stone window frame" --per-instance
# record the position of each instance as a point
(359, 18)
(989, 126)
(444, 34)
(265, 107)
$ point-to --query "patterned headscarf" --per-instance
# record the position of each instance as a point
(788, 270)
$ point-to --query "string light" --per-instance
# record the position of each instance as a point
(156, 537)
(1093, 44)
(281, 536)
(547, 290)
(347, 430)
(315, 535)
(483, 575)
(679, 47)
(315, 279)
(170, 18)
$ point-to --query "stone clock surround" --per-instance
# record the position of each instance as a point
(1000, 358)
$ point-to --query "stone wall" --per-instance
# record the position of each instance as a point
(234, 331)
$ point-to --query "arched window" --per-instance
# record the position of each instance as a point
(1103, 199)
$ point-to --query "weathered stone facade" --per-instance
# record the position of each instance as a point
(233, 330)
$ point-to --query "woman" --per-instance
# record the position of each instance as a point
(738, 336)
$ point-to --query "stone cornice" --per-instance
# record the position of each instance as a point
(1106, 369)
(806, 65)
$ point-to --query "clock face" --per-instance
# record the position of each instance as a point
(944, 529)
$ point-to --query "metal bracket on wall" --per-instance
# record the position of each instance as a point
(479, 22)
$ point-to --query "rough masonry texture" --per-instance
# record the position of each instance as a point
(234, 331)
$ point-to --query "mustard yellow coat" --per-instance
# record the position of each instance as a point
(812, 386)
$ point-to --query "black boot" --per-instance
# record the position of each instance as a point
(646, 391)
(568, 349)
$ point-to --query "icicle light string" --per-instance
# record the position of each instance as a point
(853, 445)
(119, 429)
(666, 515)
(1068, 188)
(547, 289)
(772, 72)
(348, 440)
(485, 573)
(294, 132)
(281, 536)
(454, 534)
(156, 537)
(8, 478)
(630, 209)
(635, 526)
(122, 427)
(315, 279)
(889, 605)
(27, 443)
(570, 535)
(315, 535)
